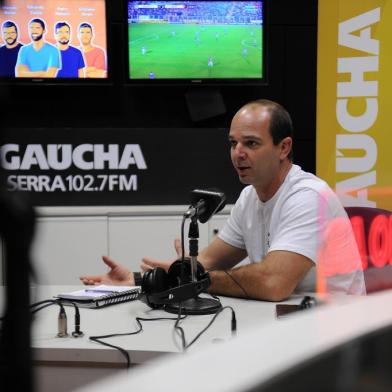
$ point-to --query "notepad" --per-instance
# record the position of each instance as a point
(100, 296)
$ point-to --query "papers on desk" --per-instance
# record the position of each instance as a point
(100, 296)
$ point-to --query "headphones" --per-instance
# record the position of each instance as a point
(160, 288)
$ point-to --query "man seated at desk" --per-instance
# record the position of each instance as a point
(286, 221)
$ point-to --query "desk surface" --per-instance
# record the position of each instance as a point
(264, 348)
(263, 352)
(157, 338)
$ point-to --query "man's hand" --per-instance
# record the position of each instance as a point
(148, 263)
(118, 275)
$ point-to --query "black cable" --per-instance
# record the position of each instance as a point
(182, 333)
(97, 339)
(42, 302)
(213, 319)
(183, 239)
(42, 307)
(62, 317)
(233, 279)
(177, 327)
(122, 351)
(46, 303)
(237, 283)
(138, 319)
(77, 333)
(183, 259)
(180, 330)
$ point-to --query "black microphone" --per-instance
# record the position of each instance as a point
(205, 203)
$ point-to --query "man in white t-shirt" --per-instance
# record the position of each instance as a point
(286, 221)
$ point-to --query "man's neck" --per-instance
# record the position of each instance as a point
(268, 193)
(87, 48)
(38, 44)
(14, 45)
(63, 47)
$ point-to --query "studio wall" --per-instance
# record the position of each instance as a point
(161, 119)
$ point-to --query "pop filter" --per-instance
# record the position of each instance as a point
(206, 203)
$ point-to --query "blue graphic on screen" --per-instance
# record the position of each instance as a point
(53, 39)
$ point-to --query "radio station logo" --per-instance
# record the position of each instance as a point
(87, 157)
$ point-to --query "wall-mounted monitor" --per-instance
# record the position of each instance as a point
(53, 41)
(196, 41)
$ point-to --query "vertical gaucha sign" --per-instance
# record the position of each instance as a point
(354, 117)
(354, 98)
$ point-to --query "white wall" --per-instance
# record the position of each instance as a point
(69, 242)
(132, 238)
(67, 247)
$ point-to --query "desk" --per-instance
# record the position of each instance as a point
(268, 352)
(78, 361)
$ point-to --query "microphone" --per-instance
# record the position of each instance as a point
(185, 296)
(205, 203)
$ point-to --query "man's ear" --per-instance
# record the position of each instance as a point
(286, 145)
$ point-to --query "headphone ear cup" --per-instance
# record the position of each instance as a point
(176, 274)
(146, 282)
(200, 272)
(154, 281)
(181, 273)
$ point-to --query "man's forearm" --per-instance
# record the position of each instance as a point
(272, 279)
(223, 284)
(220, 256)
(250, 282)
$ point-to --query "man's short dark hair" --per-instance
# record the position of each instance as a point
(38, 20)
(281, 125)
(9, 23)
(88, 25)
(59, 25)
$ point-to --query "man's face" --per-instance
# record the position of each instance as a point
(10, 35)
(36, 31)
(63, 35)
(85, 35)
(254, 156)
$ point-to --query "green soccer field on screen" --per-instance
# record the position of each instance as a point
(195, 51)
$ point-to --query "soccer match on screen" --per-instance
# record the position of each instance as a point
(195, 39)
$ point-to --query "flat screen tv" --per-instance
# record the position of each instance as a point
(53, 40)
(196, 41)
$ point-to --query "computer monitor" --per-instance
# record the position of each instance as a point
(213, 42)
(53, 41)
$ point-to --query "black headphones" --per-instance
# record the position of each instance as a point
(160, 288)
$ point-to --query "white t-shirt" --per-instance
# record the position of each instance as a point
(302, 217)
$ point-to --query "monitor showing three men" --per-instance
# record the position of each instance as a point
(53, 39)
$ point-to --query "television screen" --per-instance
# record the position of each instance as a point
(195, 40)
(59, 39)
